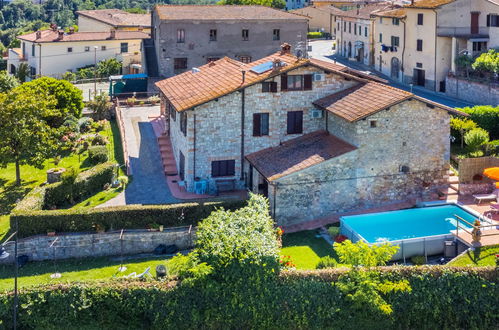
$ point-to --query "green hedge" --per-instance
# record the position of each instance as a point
(34, 200)
(81, 220)
(487, 117)
(97, 154)
(453, 299)
(314, 35)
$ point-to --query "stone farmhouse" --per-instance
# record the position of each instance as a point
(187, 36)
(313, 138)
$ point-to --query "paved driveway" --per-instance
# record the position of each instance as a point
(148, 185)
(322, 50)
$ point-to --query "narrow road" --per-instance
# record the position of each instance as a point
(148, 184)
(322, 50)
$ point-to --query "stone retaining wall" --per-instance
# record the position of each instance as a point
(83, 245)
(472, 91)
(469, 167)
(475, 188)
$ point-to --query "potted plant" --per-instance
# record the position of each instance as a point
(153, 99)
(131, 101)
(50, 232)
(55, 174)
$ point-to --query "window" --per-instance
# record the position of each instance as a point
(276, 34)
(365, 31)
(180, 63)
(395, 21)
(344, 26)
(373, 123)
(103, 48)
(360, 30)
(295, 122)
(339, 26)
(212, 59)
(33, 50)
(260, 124)
(223, 168)
(269, 87)
(349, 27)
(124, 47)
(381, 37)
(70, 49)
(419, 45)
(180, 36)
(296, 82)
(245, 34)
(420, 19)
(355, 29)
(213, 35)
(479, 46)
(419, 65)
(87, 48)
(32, 71)
(183, 123)
(493, 20)
(395, 41)
(245, 59)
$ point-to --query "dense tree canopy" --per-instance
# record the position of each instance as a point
(7, 82)
(69, 98)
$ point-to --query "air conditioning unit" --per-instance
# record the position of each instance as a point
(319, 77)
(316, 113)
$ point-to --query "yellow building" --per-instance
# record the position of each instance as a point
(320, 18)
(112, 19)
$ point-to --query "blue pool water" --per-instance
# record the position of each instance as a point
(403, 224)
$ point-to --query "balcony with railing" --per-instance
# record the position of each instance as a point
(463, 32)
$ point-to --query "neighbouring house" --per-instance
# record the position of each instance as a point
(320, 18)
(53, 52)
(112, 19)
(345, 4)
(432, 34)
(295, 4)
(187, 36)
(355, 37)
(313, 138)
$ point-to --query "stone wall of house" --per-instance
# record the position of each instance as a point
(98, 245)
(218, 123)
(472, 91)
(471, 169)
(476, 188)
(370, 176)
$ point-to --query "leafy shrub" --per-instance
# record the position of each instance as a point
(475, 138)
(362, 254)
(34, 200)
(69, 76)
(188, 267)
(100, 106)
(295, 300)
(486, 117)
(418, 260)
(123, 180)
(69, 176)
(99, 140)
(97, 154)
(487, 62)
(33, 222)
(326, 262)
(93, 180)
(85, 124)
(314, 35)
(333, 231)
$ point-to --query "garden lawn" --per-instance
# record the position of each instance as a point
(305, 249)
(484, 256)
(32, 177)
(72, 270)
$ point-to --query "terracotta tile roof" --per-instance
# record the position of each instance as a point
(51, 36)
(218, 78)
(330, 9)
(397, 13)
(221, 12)
(117, 17)
(362, 100)
(298, 154)
(366, 11)
(428, 3)
(335, 67)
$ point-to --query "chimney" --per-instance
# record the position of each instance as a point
(113, 34)
(276, 64)
(412, 2)
(60, 35)
(71, 30)
(285, 48)
(358, 7)
(244, 75)
(38, 34)
(53, 26)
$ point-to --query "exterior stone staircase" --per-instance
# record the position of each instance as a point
(166, 151)
(452, 190)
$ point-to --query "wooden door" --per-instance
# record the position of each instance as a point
(474, 23)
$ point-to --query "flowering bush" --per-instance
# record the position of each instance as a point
(340, 238)
(279, 231)
(286, 262)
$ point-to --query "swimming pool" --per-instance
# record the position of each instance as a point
(417, 231)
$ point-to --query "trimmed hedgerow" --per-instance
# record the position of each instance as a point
(97, 154)
(34, 200)
(486, 117)
(128, 217)
(445, 299)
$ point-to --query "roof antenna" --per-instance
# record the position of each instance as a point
(244, 75)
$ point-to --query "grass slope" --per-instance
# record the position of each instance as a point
(305, 249)
(485, 256)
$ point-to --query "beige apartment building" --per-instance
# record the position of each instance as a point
(354, 34)
(430, 35)
(320, 18)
